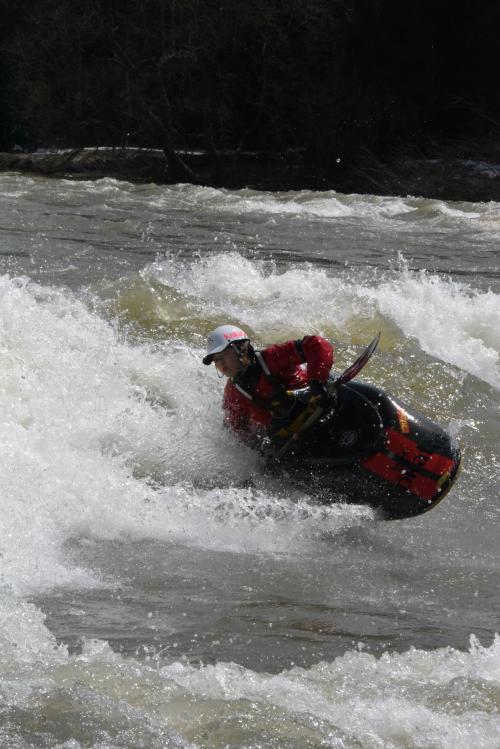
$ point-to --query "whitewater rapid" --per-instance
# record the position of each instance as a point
(156, 589)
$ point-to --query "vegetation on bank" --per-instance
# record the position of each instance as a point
(314, 83)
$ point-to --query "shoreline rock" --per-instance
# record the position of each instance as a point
(441, 178)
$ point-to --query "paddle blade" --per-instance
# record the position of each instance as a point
(358, 365)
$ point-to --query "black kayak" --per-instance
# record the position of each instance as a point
(369, 448)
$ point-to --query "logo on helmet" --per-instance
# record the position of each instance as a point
(234, 334)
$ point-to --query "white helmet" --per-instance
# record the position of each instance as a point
(222, 337)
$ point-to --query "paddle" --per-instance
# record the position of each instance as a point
(358, 365)
(347, 375)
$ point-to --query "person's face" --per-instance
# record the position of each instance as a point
(227, 362)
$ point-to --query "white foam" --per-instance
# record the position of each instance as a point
(256, 293)
(70, 410)
(24, 639)
(451, 321)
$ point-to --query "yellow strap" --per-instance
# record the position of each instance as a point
(299, 422)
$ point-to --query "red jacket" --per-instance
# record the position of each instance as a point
(284, 361)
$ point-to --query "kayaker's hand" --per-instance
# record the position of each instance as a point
(318, 393)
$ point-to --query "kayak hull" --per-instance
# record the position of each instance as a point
(373, 449)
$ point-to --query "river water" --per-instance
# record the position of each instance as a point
(156, 589)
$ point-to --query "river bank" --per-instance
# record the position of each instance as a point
(447, 176)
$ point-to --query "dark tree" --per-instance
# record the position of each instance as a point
(326, 77)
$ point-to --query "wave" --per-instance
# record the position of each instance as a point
(450, 321)
(327, 205)
(414, 696)
(446, 698)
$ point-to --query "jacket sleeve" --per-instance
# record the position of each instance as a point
(312, 350)
(318, 354)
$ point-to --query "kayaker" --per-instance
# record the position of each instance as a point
(255, 393)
